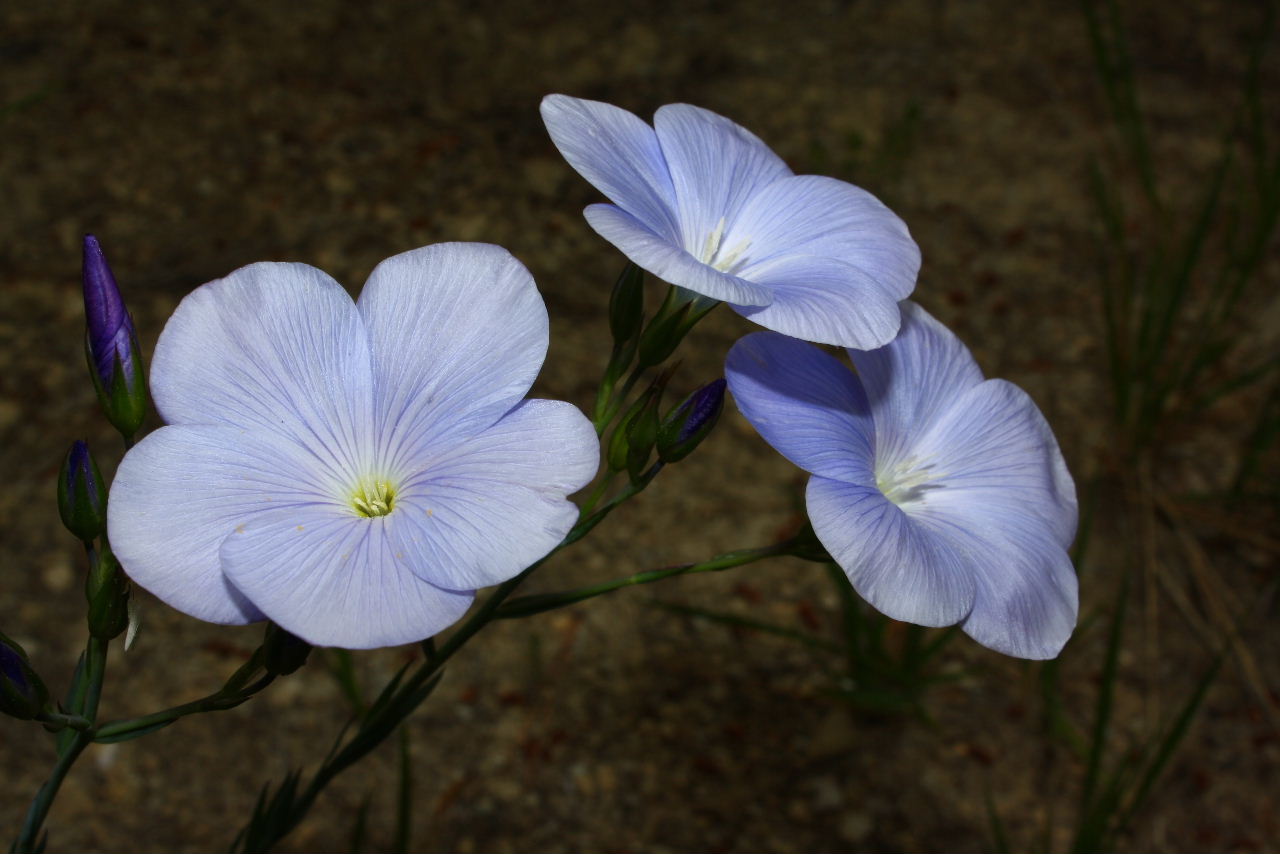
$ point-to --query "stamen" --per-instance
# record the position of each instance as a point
(374, 497)
(711, 250)
(908, 480)
(713, 242)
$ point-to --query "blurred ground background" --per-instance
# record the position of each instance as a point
(195, 138)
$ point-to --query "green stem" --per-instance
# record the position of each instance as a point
(219, 701)
(43, 800)
(526, 606)
(71, 742)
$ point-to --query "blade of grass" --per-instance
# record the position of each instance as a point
(404, 800)
(1106, 696)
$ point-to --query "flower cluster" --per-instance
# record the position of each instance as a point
(942, 495)
(355, 471)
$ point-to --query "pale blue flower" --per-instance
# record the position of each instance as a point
(942, 495)
(353, 471)
(702, 203)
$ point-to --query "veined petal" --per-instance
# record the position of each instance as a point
(668, 261)
(816, 215)
(459, 332)
(183, 489)
(1027, 597)
(618, 154)
(993, 450)
(902, 568)
(716, 166)
(496, 504)
(913, 380)
(273, 346)
(805, 403)
(335, 579)
(825, 301)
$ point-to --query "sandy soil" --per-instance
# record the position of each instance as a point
(193, 139)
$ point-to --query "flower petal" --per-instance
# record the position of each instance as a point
(825, 301)
(805, 403)
(1027, 598)
(335, 579)
(716, 166)
(618, 154)
(912, 381)
(459, 332)
(182, 490)
(496, 504)
(668, 261)
(816, 215)
(994, 450)
(272, 346)
(902, 568)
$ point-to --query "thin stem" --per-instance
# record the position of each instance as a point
(71, 742)
(43, 800)
(216, 702)
(597, 492)
(528, 605)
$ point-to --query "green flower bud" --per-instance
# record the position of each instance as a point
(107, 589)
(626, 305)
(283, 652)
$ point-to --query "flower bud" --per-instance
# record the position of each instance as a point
(688, 424)
(111, 345)
(626, 305)
(632, 440)
(283, 652)
(82, 495)
(107, 589)
(22, 694)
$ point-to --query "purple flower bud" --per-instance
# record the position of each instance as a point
(111, 332)
(22, 694)
(82, 495)
(11, 665)
(688, 424)
(111, 344)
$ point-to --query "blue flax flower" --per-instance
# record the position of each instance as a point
(942, 495)
(353, 471)
(702, 203)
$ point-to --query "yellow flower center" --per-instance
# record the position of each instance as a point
(373, 497)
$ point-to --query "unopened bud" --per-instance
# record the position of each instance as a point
(82, 495)
(22, 694)
(111, 345)
(688, 424)
(107, 589)
(283, 652)
(626, 305)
